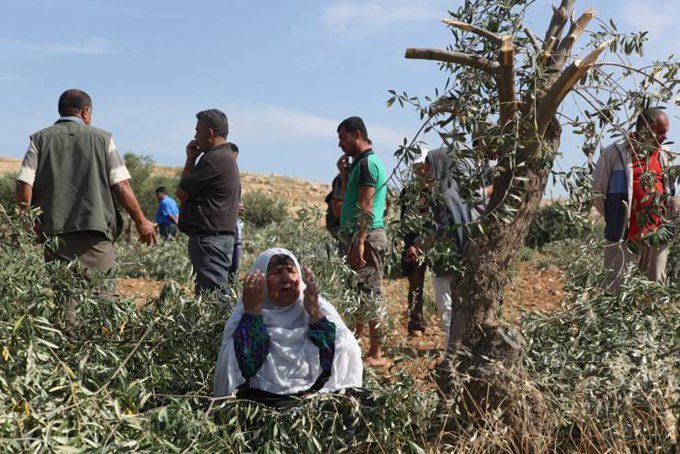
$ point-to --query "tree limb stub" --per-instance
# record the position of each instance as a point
(474, 29)
(533, 40)
(506, 81)
(460, 58)
(558, 20)
(547, 51)
(575, 31)
(557, 92)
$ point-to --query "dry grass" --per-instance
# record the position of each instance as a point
(9, 165)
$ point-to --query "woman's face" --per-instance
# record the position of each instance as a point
(283, 281)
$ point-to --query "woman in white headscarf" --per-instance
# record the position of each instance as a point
(284, 338)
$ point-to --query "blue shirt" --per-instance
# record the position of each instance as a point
(166, 207)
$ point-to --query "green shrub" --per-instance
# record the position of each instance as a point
(164, 261)
(8, 192)
(140, 379)
(263, 209)
(608, 366)
(673, 265)
(555, 222)
(144, 183)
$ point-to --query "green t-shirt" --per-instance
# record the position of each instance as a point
(366, 170)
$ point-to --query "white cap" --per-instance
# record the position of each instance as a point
(419, 158)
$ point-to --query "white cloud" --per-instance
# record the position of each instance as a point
(92, 46)
(281, 123)
(381, 13)
(656, 17)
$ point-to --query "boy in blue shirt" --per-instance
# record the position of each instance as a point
(167, 214)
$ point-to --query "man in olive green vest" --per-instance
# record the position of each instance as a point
(72, 172)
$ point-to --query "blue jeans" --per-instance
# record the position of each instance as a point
(167, 231)
(210, 256)
(236, 256)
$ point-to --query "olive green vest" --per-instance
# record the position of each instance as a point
(72, 180)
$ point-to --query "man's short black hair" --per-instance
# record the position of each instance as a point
(73, 101)
(649, 117)
(233, 147)
(161, 189)
(216, 120)
(354, 124)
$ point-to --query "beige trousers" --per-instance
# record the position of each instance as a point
(618, 257)
(95, 254)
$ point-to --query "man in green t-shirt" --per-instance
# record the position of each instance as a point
(361, 224)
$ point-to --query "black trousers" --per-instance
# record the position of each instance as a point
(416, 285)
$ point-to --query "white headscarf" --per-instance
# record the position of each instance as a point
(292, 364)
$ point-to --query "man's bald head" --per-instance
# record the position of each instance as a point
(73, 102)
(652, 123)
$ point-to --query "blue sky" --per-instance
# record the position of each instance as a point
(284, 72)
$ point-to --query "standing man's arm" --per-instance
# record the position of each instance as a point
(192, 152)
(26, 177)
(120, 186)
(366, 195)
(24, 193)
(601, 181)
(126, 197)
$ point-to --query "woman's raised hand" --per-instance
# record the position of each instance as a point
(253, 293)
(311, 296)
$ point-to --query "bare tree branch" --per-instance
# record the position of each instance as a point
(575, 31)
(474, 29)
(533, 40)
(547, 51)
(506, 81)
(555, 94)
(558, 20)
(453, 57)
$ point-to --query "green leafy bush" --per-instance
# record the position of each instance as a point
(555, 222)
(8, 192)
(164, 261)
(141, 379)
(144, 183)
(673, 265)
(609, 367)
(263, 209)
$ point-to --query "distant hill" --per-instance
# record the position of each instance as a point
(296, 191)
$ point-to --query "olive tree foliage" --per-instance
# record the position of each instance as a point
(505, 88)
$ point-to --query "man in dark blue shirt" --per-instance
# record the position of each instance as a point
(167, 214)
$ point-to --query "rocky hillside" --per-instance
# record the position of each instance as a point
(298, 192)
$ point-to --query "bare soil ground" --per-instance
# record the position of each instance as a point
(531, 289)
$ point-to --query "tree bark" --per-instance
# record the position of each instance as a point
(476, 295)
